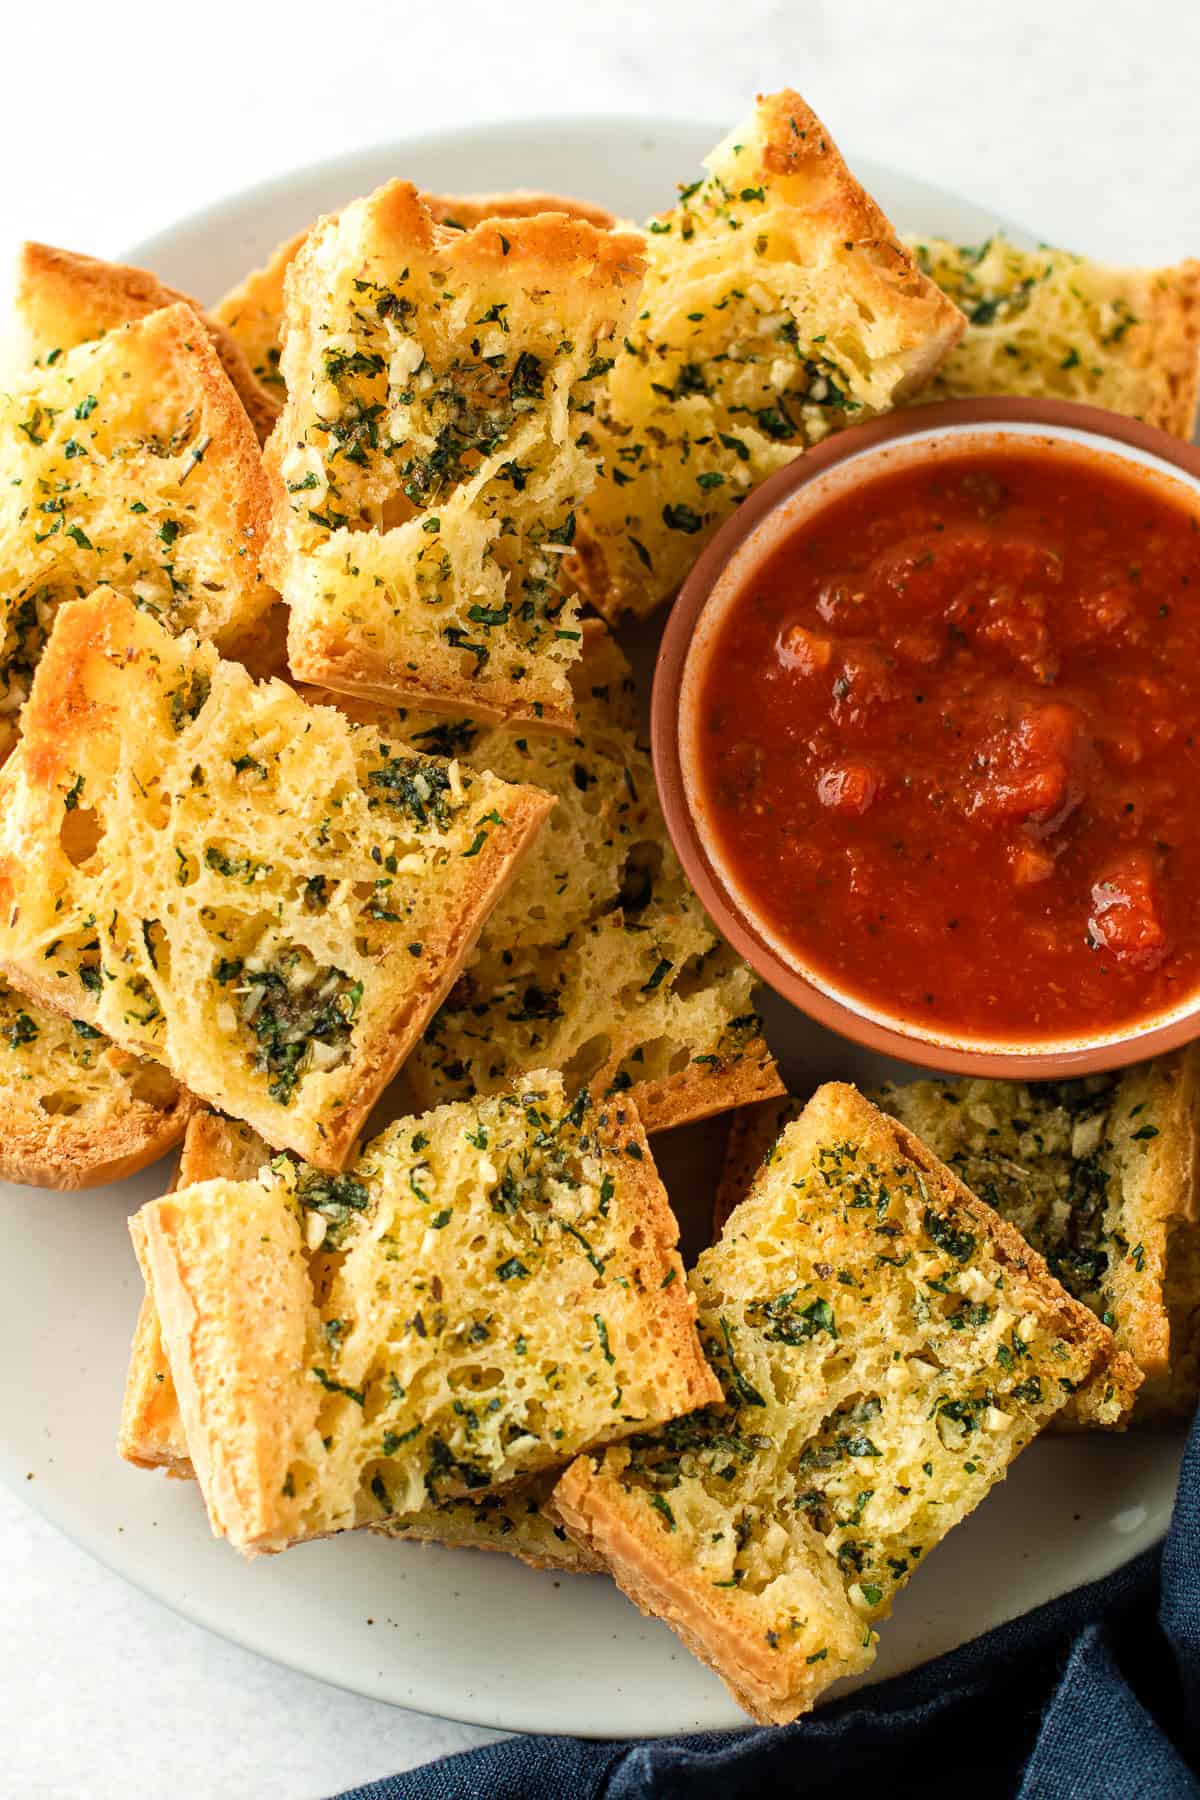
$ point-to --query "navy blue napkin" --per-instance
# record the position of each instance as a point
(1093, 1697)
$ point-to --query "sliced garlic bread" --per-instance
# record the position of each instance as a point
(270, 900)
(486, 1290)
(252, 311)
(778, 305)
(513, 1520)
(1046, 322)
(886, 1346)
(1100, 1176)
(64, 299)
(74, 1110)
(427, 464)
(129, 460)
(657, 1006)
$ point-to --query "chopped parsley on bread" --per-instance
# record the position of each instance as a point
(75, 1110)
(267, 898)
(1099, 1175)
(427, 466)
(513, 1519)
(1044, 322)
(778, 305)
(485, 1291)
(65, 299)
(886, 1346)
(252, 312)
(131, 461)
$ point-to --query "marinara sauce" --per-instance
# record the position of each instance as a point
(950, 744)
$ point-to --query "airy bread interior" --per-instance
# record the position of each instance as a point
(485, 1290)
(265, 897)
(886, 1346)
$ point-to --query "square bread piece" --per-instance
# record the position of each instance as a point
(252, 312)
(485, 1291)
(427, 464)
(1100, 1176)
(74, 1110)
(65, 299)
(1046, 322)
(513, 1519)
(599, 960)
(778, 305)
(886, 1346)
(131, 461)
(269, 899)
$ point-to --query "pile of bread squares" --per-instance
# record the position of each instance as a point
(323, 793)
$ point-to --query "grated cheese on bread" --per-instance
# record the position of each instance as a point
(487, 1289)
(427, 464)
(74, 1110)
(129, 460)
(252, 312)
(778, 305)
(64, 299)
(1046, 322)
(1099, 1175)
(886, 1346)
(268, 899)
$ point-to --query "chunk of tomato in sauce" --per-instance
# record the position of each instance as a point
(1127, 917)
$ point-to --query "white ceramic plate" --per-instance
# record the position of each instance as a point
(477, 1637)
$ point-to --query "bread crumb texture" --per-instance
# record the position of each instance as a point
(1044, 322)
(778, 305)
(485, 1291)
(74, 1109)
(886, 1346)
(1099, 1176)
(600, 961)
(513, 1519)
(255, 891)
(252, 312)
(130, 461)
(427, 465)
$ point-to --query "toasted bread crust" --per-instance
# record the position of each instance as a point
(778, 245)
(667, 1538)
(65, 298)
(105, 666)
(219, 1251)
(697, 1093)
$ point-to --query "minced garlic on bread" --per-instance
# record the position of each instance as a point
(886, 1345)
(74, 1110)
(252, 311)
(485, 1291)
(1099, 1175)
(270, 900)
(129, 460)
(65, 299)
(513, 1519)
(427, 466)
(658, 1006)
(1045, 322)
(778, 305)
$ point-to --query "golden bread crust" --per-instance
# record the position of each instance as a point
(779, 305)
(218, 1251)
(873, 1324)
(426, 467)
(64, 299)
(186, 772)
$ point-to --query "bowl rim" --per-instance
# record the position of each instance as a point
(894, 1037)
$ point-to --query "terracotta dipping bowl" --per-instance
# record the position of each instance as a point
(775, 510)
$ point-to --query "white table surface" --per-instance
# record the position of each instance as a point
(1076, 117)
